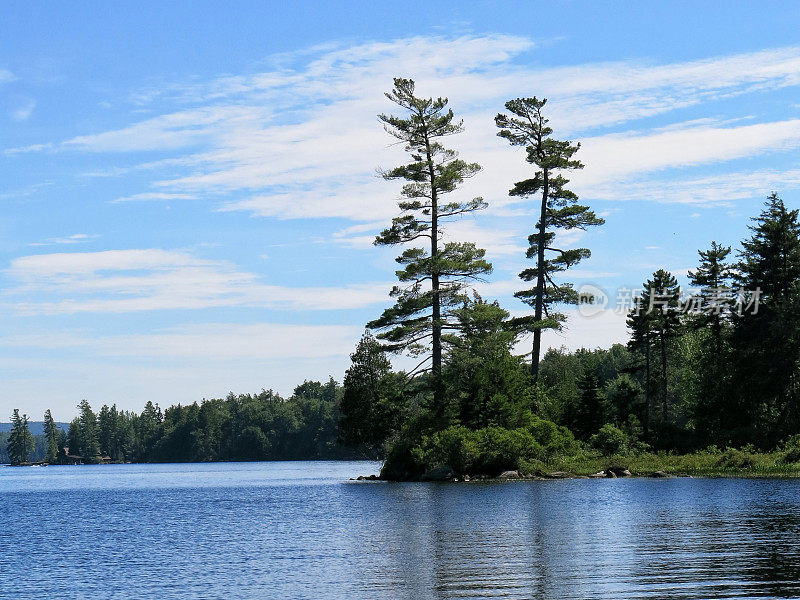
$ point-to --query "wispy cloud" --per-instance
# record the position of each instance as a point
(153, 197)
(6, 76)
(720, 189)
(117, 281)
(210, 341)
(300, 140)
(613, 156)
(22, 113)
(77, 238)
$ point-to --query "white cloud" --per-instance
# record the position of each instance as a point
(211, 341)
(153, 197)
(599, 331)
(301, 140)
(77, 238)
(720, 189)
(610, 157)
(180, 364)
(116, 281)
(23, 112)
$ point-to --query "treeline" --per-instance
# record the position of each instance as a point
(714, 365)
(263, 426)
(36, 455)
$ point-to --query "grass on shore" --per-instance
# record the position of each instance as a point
(707, 463)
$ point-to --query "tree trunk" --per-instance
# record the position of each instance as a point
(664, 409)
(436, 325)
(647, 384)
(537, 333)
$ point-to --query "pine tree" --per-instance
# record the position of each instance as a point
(639, 322)
(74, 437)
(716, 300)
(589, 414)
(148, 430)
(20, 441)
(432, 280)
(767, 338)
(111, 430)
(370, 408)
(107, 431)
(51, 438)
(653, 322)
(665, 307)
(623, 395)
(486, 382)
(87, 422)
(558, 210)
(713, 277)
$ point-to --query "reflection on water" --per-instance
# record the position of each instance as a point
(301, 530)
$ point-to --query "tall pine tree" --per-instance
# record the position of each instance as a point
(50, 438)
(767, 339)
(711, 318)
(432, 279)
(20, 442)
(87, 423)
(653, 322)
(558, 210)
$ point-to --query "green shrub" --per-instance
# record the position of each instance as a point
(489, 450)
(504, 449)
(555, 440)
(791, 449)
(456, 447)
(732, 458)
(610, 440)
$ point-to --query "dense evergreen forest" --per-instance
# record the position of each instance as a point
(262, 426)
(713, 368)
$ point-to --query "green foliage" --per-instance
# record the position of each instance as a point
(526, 126)
(589, 413)
(654, 321)
(610, 440)
(733, 458)
(20, 441)
(372, 398)
(51, 434)
(88, 434)
(485, 383)
(791, 449)
(766, 342)
(624, 397)
(456, 447)
(245, 427)
(432, 279)
(488, 450)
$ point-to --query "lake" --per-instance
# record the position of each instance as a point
(285, 530)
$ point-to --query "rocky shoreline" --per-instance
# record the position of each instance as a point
(446, 474)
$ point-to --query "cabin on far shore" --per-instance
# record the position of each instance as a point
(77, 459)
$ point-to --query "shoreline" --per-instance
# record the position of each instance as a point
(698, 465)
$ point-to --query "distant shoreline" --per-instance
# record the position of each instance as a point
(705, 464)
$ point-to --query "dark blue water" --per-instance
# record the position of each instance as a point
(302, 530)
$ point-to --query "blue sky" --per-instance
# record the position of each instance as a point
(189, 190)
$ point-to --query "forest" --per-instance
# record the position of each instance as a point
(708, 381)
